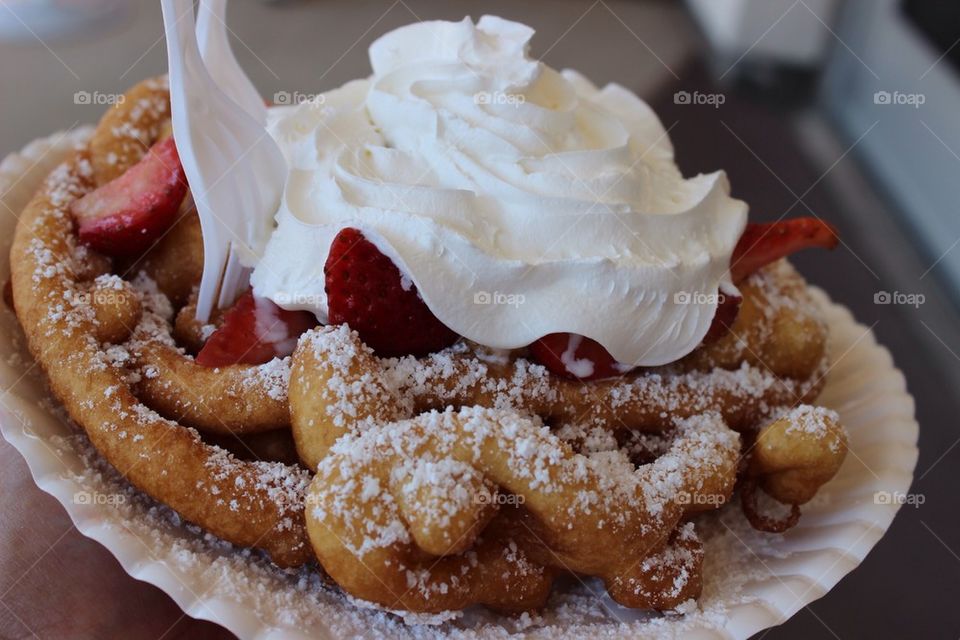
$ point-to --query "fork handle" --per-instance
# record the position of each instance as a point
(220, 61)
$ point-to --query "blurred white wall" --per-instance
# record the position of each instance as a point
(784, 31)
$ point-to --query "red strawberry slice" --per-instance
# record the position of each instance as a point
(727, 310)
(573, 356)
(254, 331)
(366, 291)
(762, 244)
(126, 215)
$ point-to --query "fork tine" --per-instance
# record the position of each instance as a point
(236, 171)
(234, 278)
(178, 23)
(211, 282)
(184, 65)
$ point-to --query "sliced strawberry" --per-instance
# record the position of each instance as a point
(762, 244)
(126, 215)
(723, 319)
(367, 291)
(254, 331)
(572, 356)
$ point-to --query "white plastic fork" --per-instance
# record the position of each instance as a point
(222, 65)
(235, 170)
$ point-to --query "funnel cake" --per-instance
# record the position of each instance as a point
(426, 482)
(401, 503)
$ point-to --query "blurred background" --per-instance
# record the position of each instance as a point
(847, 109)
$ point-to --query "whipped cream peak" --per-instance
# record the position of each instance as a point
(519, 200)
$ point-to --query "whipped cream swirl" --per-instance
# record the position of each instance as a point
(520, 201)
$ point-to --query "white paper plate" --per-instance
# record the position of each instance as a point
(753, 580)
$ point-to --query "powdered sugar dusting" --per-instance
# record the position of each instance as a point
(445, 460)
(304, 599)
(818, 422)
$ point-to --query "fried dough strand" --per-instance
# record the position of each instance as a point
(248, 504)
(238, 399)
(396, 506)
(129, 128)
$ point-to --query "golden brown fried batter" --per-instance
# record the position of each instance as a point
(246, 503)
(797, 453)
(236, 399)
(175, 262)
(397, 507)
(129, 128)
(116, 307)
(189, 332)
(777, 329)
